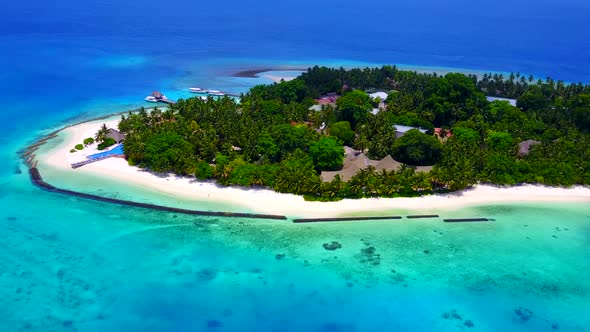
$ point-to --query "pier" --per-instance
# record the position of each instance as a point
(166, 101)
(158, 97)
(90, 161)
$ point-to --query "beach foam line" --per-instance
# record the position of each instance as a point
(37, 179)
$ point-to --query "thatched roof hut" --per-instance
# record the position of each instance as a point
(423, 169)
(116, 135)
(354, 163)
(524, 147)
(359, 162)
(387, 164)
(157, 95)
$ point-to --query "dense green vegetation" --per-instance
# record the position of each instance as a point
(272, 138)
(106, 143)
(102, 138)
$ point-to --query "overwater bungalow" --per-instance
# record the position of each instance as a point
(158, 95)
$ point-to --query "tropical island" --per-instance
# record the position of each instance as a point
(335, 142)
(331, 134)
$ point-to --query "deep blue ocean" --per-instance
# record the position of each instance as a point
(73, 265)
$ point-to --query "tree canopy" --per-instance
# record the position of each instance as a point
(416, 148)
(272, 138)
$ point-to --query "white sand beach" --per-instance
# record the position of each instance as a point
(58, 157)
(278, 79)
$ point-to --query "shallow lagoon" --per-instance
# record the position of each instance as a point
(89, 266)
(68, 264)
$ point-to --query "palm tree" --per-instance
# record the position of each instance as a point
(169, 114)
(102, 133)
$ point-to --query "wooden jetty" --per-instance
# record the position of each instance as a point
(166, 101)
(423, 216)
(90, 161)
(161, 98)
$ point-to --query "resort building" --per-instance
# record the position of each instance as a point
(442, 134)
(355, 160)
(379, 94)
(316, 108)
(116, 135)
(510, 101)
(524, 147)
(158, 95)
(401, 130)
(328, 98)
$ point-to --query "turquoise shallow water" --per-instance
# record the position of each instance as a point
(70, 264)
(89, 266)
(73, 265)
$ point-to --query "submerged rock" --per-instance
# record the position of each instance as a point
(332, 246)
(213, 323)
(369, 250)
(278, 257)
(207, 274)
(468, 323)
(523, 314)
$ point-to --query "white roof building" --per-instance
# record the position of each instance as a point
(511, 101)
(316, 108)
(400, 130)
(382, 95)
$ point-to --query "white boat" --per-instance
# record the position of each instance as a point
(215, 93)
(151, 99)
(197, 90)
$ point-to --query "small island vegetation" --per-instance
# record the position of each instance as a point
(283, 136)
(102, 138)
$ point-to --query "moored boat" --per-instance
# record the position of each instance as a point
(215, 93)
(197, 90)
(151, 99)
